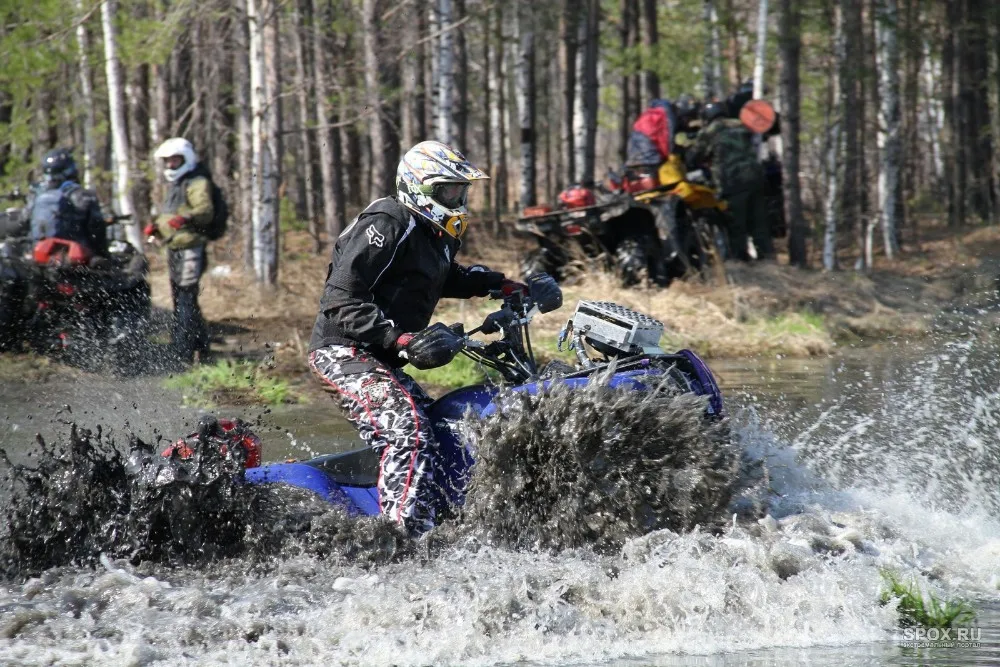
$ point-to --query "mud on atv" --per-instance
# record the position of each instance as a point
(62, 303)
(617, 231)
(643, 230)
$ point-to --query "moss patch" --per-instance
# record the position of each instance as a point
(231, 383)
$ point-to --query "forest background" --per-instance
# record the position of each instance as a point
(300, 108)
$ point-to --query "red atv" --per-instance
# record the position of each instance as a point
(57, 297)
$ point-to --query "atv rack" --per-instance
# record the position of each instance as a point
(609, 326)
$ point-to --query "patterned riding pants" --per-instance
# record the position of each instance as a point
(389, 410)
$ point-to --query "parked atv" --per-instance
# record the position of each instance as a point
(607, 226)
(60, 300)
(688, 211)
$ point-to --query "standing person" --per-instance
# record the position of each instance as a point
(389, 269)
(725, 146)
(185, 226)
(62, 208)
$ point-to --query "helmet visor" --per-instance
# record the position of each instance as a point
(451, 195)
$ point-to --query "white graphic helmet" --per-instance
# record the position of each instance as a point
(433, 181)
(177, 146)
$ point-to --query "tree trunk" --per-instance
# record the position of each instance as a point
(711, 67)
(302, 85)
(849, 72)
(625, 118)
(650, 40)
(954, 160)
(377, 131)
(889, 137)
(86, 99)
(411, 74)
(526, 100)
(328, 139)
(446, 74)
(244, 130)
(585, 118)
(733, 48)
(569, 25)
(461, 69)
(761, 55)
(488, 88)
(116, 103)
(265, 106)
(832, 205)
(498, 122)
(138, 104)
(790, 46)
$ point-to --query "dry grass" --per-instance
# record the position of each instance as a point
(763, 309)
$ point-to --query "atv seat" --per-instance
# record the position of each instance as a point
(358, 467)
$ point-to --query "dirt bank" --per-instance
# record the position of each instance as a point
(763, 309)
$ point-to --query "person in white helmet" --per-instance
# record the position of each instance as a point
(390, 268)
(184, 226)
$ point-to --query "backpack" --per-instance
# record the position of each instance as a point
(220, 214)
(652, 137)
(216, 229)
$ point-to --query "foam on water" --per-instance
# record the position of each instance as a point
(807, 574)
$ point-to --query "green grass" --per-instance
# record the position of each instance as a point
(461, 372)
(802, 323)
(917, 610)
(228, 381)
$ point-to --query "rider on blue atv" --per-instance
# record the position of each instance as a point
(390, 268)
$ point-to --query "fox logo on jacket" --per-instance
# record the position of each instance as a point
(375, 238)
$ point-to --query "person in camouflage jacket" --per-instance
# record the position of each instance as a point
(726, 147)
(184, 216)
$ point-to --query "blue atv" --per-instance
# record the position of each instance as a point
(604, 336)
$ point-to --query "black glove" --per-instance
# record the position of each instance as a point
(545, 292)
(494, 322)
(431, 347)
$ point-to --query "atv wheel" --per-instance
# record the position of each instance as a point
(632, 258)
(542, 260)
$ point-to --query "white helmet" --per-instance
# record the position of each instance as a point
(177, 146)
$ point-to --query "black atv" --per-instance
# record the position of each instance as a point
(605, 226)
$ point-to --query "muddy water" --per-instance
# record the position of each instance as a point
(882, 458)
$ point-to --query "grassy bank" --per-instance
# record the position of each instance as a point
(229, 382)
(767, 309)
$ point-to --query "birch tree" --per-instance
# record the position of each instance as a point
(889, 137)
(86, 96)
(446, 74)
(831, 208)
(712, 64)
(245, 175)
(262, 18)
(498, 124)
(790, 47)
(119, 136)
(526, 100)
(761, 54)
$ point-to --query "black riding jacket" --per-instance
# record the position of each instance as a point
(389, 270)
